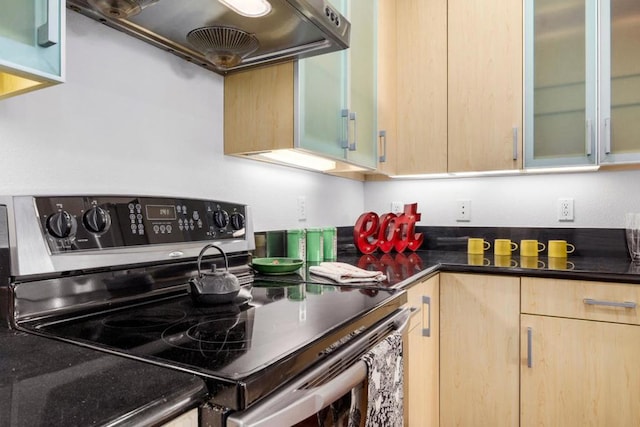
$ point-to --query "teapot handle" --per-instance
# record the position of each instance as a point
(207, 247)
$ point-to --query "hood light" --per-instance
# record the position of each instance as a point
(250, 8)
(298, 159)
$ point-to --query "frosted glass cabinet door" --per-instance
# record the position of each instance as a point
(362, 85)
(322, 84)
(322, 96)
(336, 99)
(620, 122)
(31, 35)
(560, 82)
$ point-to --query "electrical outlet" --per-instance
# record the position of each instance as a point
(464, 211)
(565, 209)
(397, 207)
(302, 208)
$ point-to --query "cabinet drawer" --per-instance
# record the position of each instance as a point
(609, 302)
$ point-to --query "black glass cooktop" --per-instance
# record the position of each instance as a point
(232, 341)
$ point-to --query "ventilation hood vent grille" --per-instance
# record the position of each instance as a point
(293, 29)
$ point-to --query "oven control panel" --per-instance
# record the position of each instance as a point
(78, 223)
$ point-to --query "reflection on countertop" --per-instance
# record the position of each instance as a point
(404, 268)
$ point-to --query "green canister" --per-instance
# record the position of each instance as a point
(315, 243)
(296, 244)
(330, 243)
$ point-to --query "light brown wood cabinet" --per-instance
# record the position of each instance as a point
(485, 85)
(422, 356)
(300, 105)
(459, 86)
(579, 353)
(387, 81)
(479, 350)
(422, 87)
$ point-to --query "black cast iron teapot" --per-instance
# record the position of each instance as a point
(214, 287)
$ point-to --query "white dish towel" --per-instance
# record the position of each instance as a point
(346, 273)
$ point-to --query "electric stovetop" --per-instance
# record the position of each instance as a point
(269, 332)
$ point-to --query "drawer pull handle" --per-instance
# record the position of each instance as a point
(529, 347)
(626, 304)
(426, 332)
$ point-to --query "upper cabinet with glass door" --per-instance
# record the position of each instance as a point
(620, 88)
(337, 93)
(31, 45)
(582, 85)
(560, 82)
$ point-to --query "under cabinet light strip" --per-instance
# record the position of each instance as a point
(532, 171)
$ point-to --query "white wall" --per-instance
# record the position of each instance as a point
(600, 199)
(132, 118)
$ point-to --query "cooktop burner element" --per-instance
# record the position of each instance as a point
(145, 319)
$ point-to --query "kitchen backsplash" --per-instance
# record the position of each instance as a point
(589, 242)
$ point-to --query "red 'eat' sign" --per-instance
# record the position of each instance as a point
(388, 232)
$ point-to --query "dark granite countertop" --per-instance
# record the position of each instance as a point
(45, 382)
(404, 268)
(601, 254)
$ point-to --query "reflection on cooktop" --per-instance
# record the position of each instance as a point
(228, 340)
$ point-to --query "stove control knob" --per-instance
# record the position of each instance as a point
(61, 225)
(237, 221)
(221, 218)
(96, 220)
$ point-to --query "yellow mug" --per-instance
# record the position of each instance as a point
(477, 245)
(504, 246)
(531, 247)
(477, 259)
(560, 248)
(504, 261)
(560, 263)
(531, 262)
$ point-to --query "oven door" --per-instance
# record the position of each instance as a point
(329, 392)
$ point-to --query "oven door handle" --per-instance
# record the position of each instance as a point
(295, 403)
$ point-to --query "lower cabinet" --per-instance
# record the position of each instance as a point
(510, 351)
(421, 356)
(479, 350)
(580, 346)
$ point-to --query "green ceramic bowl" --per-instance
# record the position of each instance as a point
(276, 265)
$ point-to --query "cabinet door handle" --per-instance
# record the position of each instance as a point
(49, 31)
(587, 139)
(426, 332)
(529, 347)
(344, 142)
(607, 136)
(382, 135)
(352, 118)
(515, 143)
(626, 304)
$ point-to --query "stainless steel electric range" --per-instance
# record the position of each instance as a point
(112, 272)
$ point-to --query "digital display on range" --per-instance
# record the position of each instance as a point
(160, 212)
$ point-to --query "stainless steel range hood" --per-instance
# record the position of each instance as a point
(292, 29)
